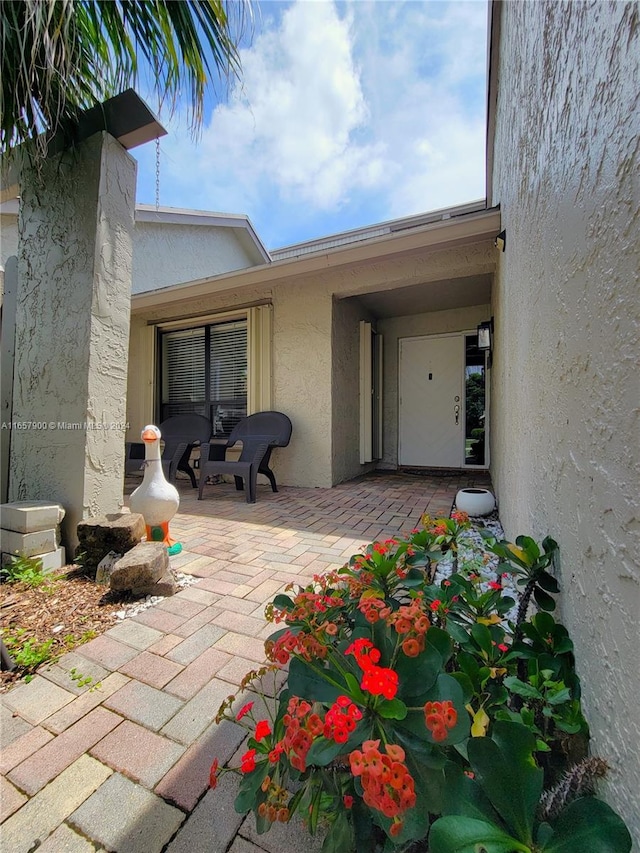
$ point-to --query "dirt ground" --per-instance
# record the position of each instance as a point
(69, 609)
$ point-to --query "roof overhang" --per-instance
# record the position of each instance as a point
(431, 237)
(246, 233)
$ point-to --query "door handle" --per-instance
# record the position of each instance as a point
(456, 409)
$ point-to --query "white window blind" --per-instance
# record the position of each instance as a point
(183, 369)
(204, 370)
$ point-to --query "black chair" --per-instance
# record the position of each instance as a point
(180, 435)
(259, 434)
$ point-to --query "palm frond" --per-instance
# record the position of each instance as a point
(58, 57)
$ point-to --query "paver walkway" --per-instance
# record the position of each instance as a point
(124, 766)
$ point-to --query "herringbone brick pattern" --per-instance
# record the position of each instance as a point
(144, 736)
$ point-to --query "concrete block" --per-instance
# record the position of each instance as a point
(52, 561)
(142, 566)
(30, 516)
(29, 544)
(118, 531)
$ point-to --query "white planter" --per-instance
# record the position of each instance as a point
(475, 501)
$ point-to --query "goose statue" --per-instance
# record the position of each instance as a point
(155, 499)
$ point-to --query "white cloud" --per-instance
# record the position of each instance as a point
(374, 107)
(291, 122)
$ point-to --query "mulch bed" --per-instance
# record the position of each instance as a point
(70, 609)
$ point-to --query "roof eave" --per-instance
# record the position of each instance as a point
(472, 228)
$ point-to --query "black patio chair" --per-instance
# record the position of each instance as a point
(180, 435)
(259, 434)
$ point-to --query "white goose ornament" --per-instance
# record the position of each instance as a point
(155, 499)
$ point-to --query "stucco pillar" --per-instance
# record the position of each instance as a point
(72, 330)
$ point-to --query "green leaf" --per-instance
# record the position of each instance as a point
(482, 636)
(303, 681)
(464, 796)
(340, 835)
(418, 674)
(468, 835)
(589, 825)
(547, 582)
(521, 688)
(283, 602)
(249, 786)
(393, 709)
(543, 599)
(441, 641)
(354, 688)
(505, 767)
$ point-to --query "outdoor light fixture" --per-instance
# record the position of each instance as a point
(485, 335)
(501, 241)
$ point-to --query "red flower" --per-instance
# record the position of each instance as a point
(438, 717)
(435, 604)
(248, 761)
(244, 710)
(494, 585)
(213, 774)
(503, 647)
(263, 729)
(348, 801)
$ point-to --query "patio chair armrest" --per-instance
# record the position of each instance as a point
(212, 451)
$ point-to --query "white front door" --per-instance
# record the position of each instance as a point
(431, 428)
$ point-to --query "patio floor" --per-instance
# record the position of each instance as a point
(124, 766)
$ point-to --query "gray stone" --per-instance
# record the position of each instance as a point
(123, 817)
(30, 516)
(140, 567)
(29, 544)
(118, 531)
(213, 823)
(106, 566)
(167, 585)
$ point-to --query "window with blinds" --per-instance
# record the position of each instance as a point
(204, 370)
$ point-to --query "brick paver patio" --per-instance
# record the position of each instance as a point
(124, 766)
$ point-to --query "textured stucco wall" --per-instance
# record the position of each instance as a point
(394, 328)
(302, 380)
(72, 331)
(166, 253)
(345, 372)
(566, 438)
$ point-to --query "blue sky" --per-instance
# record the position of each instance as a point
(347, 114)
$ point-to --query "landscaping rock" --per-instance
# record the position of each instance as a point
(141, 567)
(119, 532)
(167, 585)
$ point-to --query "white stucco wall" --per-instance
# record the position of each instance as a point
(566, 386)
(72, 331)
(345, 382)
(166, 253)
(394, 328)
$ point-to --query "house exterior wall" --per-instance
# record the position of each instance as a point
(394, 328)
(565, 380)
(345, 383)
(165, 253)
(72, 331)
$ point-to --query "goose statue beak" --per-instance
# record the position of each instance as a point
(149, 434)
